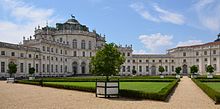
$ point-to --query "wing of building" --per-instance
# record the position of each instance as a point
(67, 48)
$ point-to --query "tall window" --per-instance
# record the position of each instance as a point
(21, 67)
(2, 66)
(197, 53)
(172, 68)
(37, 68)
(205, 52)
(140, 68)
(51, 68)
(90, 45)
(2, 52)
(48, 68)
(12, 53)
(29, 66)
(128, 68)
(83, 44)
(214, 51)
(166, 68)
(43, 48)
(43, 67)
(147, 68)
(123, 69)
(61, 68)
(83, 54)
(56, 68)
(74, 53)
(74, 43)
(184, 53)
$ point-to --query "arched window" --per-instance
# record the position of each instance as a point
(74, 67)
(74, 43)
(83, 67)
(83, 44)
(90, 45)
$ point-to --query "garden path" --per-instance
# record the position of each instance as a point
(18, 96)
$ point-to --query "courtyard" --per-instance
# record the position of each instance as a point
(19, 96)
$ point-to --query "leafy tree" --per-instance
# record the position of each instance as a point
(178, 70)
(31, 70)
(134, 71)
(107, 61)
(161, 69)
(210, 69)
(194, 69)
(12, 68)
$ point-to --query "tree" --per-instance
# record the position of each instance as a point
(178, 70)
(194, 69)
(161, 69)
(134, 71)
(210, 69)
(31, 70)
(12, 68)
(107, 61)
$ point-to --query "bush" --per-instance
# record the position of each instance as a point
(209, 91)
(161, 95)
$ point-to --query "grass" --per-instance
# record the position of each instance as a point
(136, 86)
(213, 85)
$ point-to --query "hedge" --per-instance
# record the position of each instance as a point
(208, 90)
(161, 95)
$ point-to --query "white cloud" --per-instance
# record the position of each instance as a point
(160, 15)
(189, 43)
(139, 52)
(155, 42)
(171, 17)
(208, 14)
(24, 18)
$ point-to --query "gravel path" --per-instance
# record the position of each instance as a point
(18, 96)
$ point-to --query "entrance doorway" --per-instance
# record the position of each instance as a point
(185, 71)
(153, 70)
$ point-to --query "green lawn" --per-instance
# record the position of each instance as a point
(137, 86)
(213, 85)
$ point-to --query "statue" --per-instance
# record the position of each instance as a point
(73, 17)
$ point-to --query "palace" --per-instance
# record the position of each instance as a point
(66, 50)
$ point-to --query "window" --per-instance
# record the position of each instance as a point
(2, 66)
(172, 68)
(48, 68)
(166, 68)
(128, 54)
(65, 70)
(153, 60)
(61, 59)
(51, 68)
(52, 50)
(184, 53)
(48, 49)
(166, 61)
(29, 56)
(140, 68)
(197, 53)
(56, 59)
(43, 48)
(61, 40)
(205, 59)
(123, 54)
(147, 68)
(184, 60)
(133, 61)
(83, 44)
(56, 68)
(56, 50)
(197, 60)
(123, 69)
(83, 54)
(61, 51)
(128, 69)
(52, 58)
(172, 60)
(215, 68)
(214, 51)
(61, 68)
(74, 43)
(22, 55)
(65, 52)
(147, 60)
(160, 60)
(12, 53)
(43, 57)
(2, 52)
(140, 60)
(128, 61)
(90, 45)
(43, 67)
(37, 56)
(133, 68)
(214, 59)
(74, 53)
(205, 52)
(21, 67)
(90, 54)
(48, 57)
(29, 66)
(37, 67)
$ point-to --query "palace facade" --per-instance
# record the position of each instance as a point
(66, 50)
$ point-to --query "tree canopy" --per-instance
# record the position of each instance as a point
(194, 69)
(161, 69)
(107, 61)
(210, 69)
(178, 70)
(12, 68)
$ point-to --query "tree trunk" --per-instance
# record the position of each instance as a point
(107, 79)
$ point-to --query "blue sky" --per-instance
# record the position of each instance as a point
(151, 26)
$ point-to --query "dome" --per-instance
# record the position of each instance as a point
(72, 21)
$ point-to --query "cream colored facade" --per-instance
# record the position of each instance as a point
(66, 50)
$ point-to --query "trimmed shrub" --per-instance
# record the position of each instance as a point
(208, 90)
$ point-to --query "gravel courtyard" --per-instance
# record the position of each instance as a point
(18, 96)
